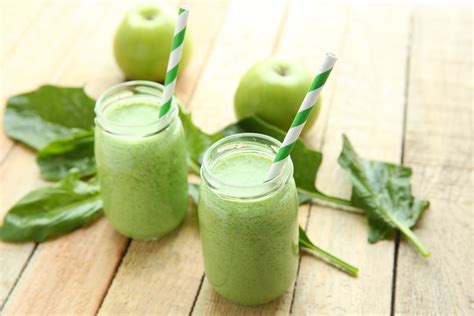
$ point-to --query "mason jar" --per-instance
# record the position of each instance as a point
(248, 226)
(141, 160)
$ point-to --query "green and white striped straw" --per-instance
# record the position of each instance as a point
(302, 116)
(173, 62)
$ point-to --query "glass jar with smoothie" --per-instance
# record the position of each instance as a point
(248, 226)
(141, 160)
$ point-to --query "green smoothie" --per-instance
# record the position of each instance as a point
(141, 162)
(249, 228)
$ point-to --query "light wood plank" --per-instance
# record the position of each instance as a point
(439, 135)
(368, 105)
(68, 275)
(301, 15)
(158, 277)
(13, 257)
(439, 126)
(16, 18)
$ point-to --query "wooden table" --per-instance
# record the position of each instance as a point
(402, 90)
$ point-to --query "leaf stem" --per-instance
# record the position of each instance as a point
(321, 196)
(414, 240)
(344, 266)
(332, 201)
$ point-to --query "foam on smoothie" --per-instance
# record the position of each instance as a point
(133, 114)
(137, 115)
(242, 170)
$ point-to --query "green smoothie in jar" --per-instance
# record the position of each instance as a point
(248, 226)
(141, 160)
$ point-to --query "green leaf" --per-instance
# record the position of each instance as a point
(72, 152)
(305, 160)
(53, 210)
(383, 191)
(36, 118)
(305, 242)
(197, 141)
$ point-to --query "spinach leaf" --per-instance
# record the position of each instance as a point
(53, 210)
(383, 191)
(63, 154)
(306, 243)
(197, 141)
(36, 118)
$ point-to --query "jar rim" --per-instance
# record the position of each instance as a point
(111, 127)
(267, 186)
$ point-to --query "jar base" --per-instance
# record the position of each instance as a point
(153, 237)
(253, 303)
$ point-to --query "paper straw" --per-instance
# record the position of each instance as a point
(302, 116)
(173, 62)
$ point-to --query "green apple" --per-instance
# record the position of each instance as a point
(273, 90)
(143, 39)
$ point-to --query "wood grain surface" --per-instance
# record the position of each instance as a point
(402, 90)
(438, 144)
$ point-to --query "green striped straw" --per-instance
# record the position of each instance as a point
(173, 62)
(302, 116)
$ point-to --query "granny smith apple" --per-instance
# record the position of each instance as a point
(273, 90)
(143, 39)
